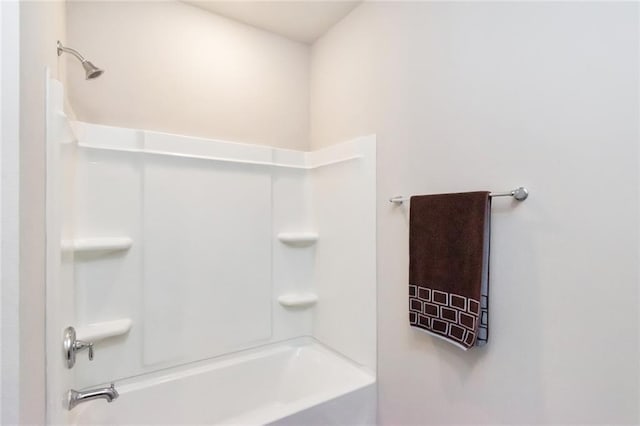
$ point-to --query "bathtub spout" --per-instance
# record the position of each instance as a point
(77, 397)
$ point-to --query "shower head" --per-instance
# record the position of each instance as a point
(91, 70)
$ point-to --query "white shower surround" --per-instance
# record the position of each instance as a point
(171, 234)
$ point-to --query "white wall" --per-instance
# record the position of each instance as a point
(176, 68)
(41, 24)
(466, 96)
(9, 211)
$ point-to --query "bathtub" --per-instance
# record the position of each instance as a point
(298, 382)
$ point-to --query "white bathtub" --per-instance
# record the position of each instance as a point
(298, 382)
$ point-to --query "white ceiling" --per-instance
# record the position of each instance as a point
(301, 20)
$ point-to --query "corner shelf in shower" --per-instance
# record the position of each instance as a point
(298, 239)
(96, 245)
(103, 330)
(298, 300)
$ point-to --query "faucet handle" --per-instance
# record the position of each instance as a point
(72, 345)
(80, 345)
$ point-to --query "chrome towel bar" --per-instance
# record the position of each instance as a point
(520, 194)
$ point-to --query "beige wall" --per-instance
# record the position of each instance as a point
(173, 67)
(41, 24)
(472, 96)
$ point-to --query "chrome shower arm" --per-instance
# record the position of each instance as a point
(74, 52)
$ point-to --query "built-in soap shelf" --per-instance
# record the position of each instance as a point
(298, 300)
(97, 245)
(103, 330)
(299, 239)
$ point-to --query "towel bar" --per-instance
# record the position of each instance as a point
(520, 194)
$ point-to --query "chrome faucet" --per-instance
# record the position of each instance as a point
(76, 397)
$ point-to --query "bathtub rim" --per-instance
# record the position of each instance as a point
(141, 381)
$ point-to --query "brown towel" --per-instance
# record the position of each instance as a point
(449, 266)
